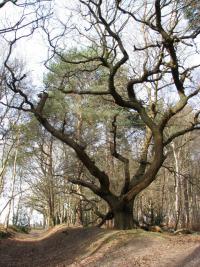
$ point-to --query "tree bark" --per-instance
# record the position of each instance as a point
(123, 216)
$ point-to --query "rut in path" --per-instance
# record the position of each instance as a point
(94, 247)
(64, 245)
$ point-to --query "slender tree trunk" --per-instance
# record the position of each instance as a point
(177, 185)
(14, 173)
(51, 219)
(79, 164)
(186, 203)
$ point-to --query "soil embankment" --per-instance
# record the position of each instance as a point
(94, 247)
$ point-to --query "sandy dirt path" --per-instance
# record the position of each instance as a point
(94, 247)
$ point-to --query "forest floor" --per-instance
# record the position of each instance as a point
(94, 247)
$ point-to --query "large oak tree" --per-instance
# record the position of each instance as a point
(150, 41)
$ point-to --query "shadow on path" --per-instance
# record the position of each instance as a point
(66, 245)
(192, 260)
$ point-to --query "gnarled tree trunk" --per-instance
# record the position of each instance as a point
(123, 215)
